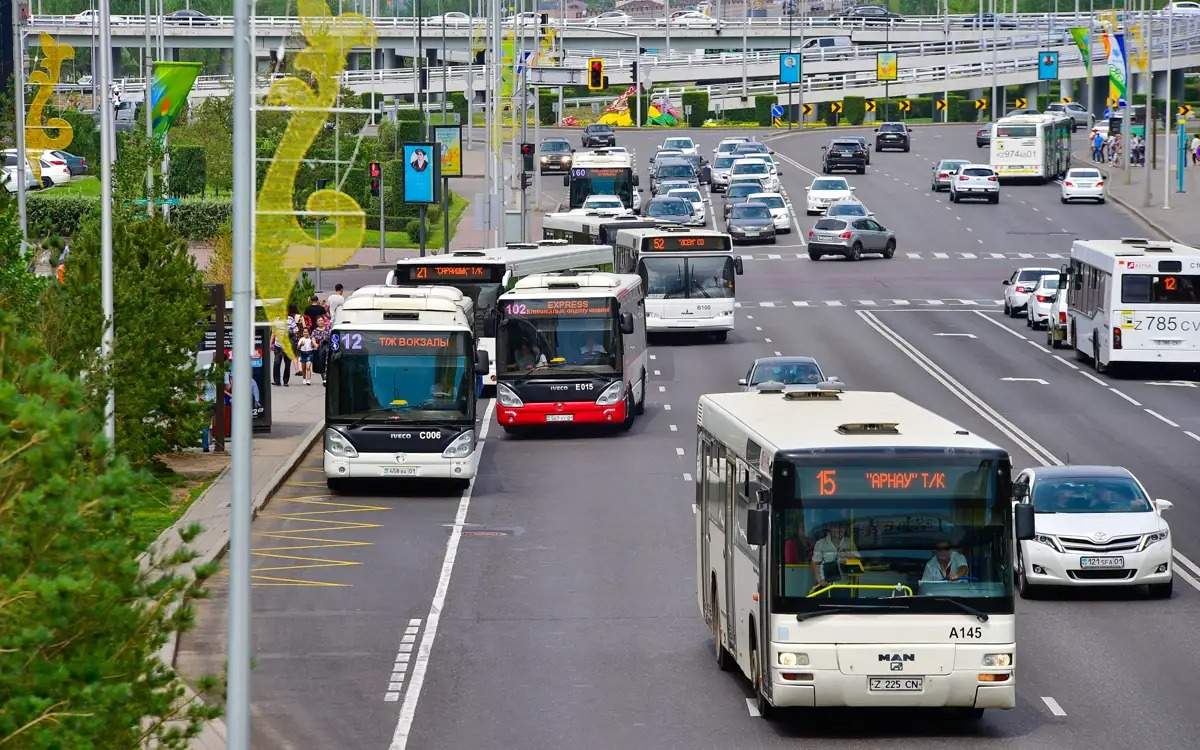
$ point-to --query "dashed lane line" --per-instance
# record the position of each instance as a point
(1052, 704)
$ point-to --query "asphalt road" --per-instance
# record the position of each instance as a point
(568, 615)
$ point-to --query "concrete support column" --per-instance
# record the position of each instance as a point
(1099, 94)
(1031, 94)
(1067, 89)
(390, 59)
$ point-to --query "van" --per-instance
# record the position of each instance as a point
(827, 44)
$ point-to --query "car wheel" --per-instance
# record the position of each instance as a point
(629, 412)
(1028, 319)
(953, 196)
(824, 169)
(1007, 309)
(640, 407)
(1024, 588)
(862, 170)
(855, 252)
(996, 198)
(1162, 590)
(47, 183)
(814, 255)
(889, 249)
(1100, 201)
(906, 149)
(1063, 199)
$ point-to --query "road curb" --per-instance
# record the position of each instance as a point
(1127, 205)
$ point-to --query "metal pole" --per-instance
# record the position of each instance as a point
(421, 230)
(791, 12)
(537, 138)
(470, 92)
(147, 67)
(494, 137)
(1148, 139)
(1167, 113)
(445, 215)
(19, 115)
(946, 51)
(445, 94)
(667, 25)
(107, 156)
(522, 81)
(745, 27)
(637, 84)
(1127, 120)
(995, 63)
(237, 705)
(382, 225)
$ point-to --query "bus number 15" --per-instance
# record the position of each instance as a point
(827, 482)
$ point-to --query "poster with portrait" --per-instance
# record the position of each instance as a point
(421, 169)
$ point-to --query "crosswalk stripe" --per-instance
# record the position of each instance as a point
(867, 302)
(774, 257)
(1054, 255)
(997, 255)
(934, 302)
(914, 256)
(900, 302)
(968, 256)
(766, 304)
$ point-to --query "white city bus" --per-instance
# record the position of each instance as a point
(590, 228)
(1133, 300)
(855, 549)
(688, 275)
(483, 275)
(400, 396)
(601, 172)
(1032, 146)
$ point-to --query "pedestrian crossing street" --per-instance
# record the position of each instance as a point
(872, 303)
(927, 256)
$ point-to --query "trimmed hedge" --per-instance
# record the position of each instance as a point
(965, 111)
(762, 108)
(199, 219)
(825, 112)
(698, 101)
(58, 214)
(189, 171)
(854, 109)
(546, 102)
(458, 102)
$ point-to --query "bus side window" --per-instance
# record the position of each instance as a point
(714, 483)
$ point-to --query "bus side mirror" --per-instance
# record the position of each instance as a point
(626, 323)
(483, 363)
(756, 526)
(1024, 521)
(737, 266)
(636, 180)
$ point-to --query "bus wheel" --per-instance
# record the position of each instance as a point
(625, 425)
(640, 409)
(335, 485)
(765, 709)
(1096, 363)
(720, 335)
(724, 658)
(967, 714)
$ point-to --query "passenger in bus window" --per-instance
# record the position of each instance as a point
(830, 553)
(527, 358)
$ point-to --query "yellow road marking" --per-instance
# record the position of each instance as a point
(309, 522)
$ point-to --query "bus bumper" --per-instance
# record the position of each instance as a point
(827, 688)
(1155, 356)
(401, 466)
(559, 412)
(663, 325)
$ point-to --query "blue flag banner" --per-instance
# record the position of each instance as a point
(1047, 66)
(789, 67)
(420, 172)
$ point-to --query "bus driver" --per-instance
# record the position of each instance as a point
(945, 565)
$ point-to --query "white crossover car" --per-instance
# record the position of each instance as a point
(826, 190)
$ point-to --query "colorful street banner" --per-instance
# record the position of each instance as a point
(789, 67)
(1047, 65)
(420, 172)
(1081, 35)
(1117, 66)
(169, 92)
(1137, 54)
(449, 141)
(887, 66)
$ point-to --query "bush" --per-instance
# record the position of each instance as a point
(412, 228)
(762, 109)
(188, 173)
(458, 102)
(698, 101)
(965, 111)
(546, 103)
(200, 219)
(58, 214)
(825, 112)
(85, 139)
(855, 109)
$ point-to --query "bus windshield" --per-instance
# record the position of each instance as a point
(587, 181)
(398, 376)
(548, 345)
(913, 531)
(700, 277)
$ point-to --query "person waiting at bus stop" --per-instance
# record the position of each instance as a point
(830, 554)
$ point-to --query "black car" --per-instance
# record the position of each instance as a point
(750, 222)
(672, 168)
(76, 165)
(869, 13)
(703, 171)
(599, 135)
(987, 21)
(983, 136)
(892, 135)
(190, 17)
(844, 153)
(555, 155)
(866, 147)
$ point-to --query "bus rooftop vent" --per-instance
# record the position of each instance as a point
(551, 243)
(402, 316)
(812, 394)
(521, 245)
(869, 428)
(1134, 240)
(469, 253)
(562, 285)
(1158, 249)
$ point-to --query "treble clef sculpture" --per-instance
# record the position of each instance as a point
(282, 246)
(37, 137)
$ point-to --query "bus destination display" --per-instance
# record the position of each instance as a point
(446, 272)
(884, 481)
(599, 171)
(378, 342)
(558, 308)
(685, 242)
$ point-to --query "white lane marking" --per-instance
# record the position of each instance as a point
(1055, 255)
(1187, 563)
(964, 335)
(655, 356)
(1072, 365)
(800, 303)
(1161, 418)
(408, 710)
(934, 302)
(1037, 345)
(968, 256)
(1173, 383)
(914, 256)
(658, 372)
(780, 354)
(408, 638)
(768, 341)
(1025, 380)
(1025, 255)
(997, 255)
(758, 328)
(833, 303)
(1052, 704)
(687, 477)
(774, 257)
(1192, 435)
(1130, 399)
(406, 648)
(679, 451)
(969, 229)
(748, 317)
(752, 707)
(867, 302)
(392, 697)
(1186, 578)
(766, 304)
(666, 407)
(942, 256)
(414, 622)
(662, 389)
(1093, 378)
(674, 428)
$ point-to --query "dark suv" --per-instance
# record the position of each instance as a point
(672, 169)
(892, 135)
(844, 153)
(599, 135)
(555, 155)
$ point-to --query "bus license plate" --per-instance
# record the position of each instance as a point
(893, 684)
(1102, 562)
(560, 417)
(400, 471)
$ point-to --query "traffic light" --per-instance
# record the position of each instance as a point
(526, 180)
(595, 74)
(376, 173)
(633, 72)
(527, 157)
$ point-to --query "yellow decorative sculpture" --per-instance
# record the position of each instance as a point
(282, 246)
(37, 137)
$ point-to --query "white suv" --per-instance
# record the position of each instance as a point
(975, 181)
(758, 168)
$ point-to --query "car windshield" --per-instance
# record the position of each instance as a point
(950, 165)
(599, 129)
(977, 171)
(788, 373)
(751, 168)
(770, 201)
(728, 146)
(555, 147)
(1089, 495)
(830, 225)
(679, 143)
(540, 346)
(847, 209)
(1048, 282)
(751, 211)
(751, 148)
(891, 127)
(906, 532)
(675, 170)
(688, 195)
(741, 191)
(830, 185)
(723, 162)
(670, 207)
(845, 144)
(603, 201)
(1033, 274)
(399, 377)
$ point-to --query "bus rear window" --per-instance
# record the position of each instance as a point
(1016, 131)
(1163, 289)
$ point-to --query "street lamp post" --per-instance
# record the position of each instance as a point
(18, 43)
(1167, 114)
(107, 156)
(1148, 138)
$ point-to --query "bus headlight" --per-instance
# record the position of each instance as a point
(612, 394)
(788, 659)
(997, 660)
(505, 396)
(461, 446)
(338, 444)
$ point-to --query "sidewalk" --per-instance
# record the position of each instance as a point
(297, 417)
(1179, 222)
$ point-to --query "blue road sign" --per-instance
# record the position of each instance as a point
(776, 110)
(1047, 66)
(789, 67)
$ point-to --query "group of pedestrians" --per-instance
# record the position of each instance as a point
(308, 331)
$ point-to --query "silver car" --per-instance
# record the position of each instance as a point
(1076, 111)
(721, 168)
(943, 173)
(850, 238)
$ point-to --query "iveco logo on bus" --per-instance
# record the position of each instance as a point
(897, 657)
(400, 436)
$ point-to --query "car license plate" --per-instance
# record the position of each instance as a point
(400, 471)
(1102, 562)
(560, 417)
(896, 684)
(751, 232)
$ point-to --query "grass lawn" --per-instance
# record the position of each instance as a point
(155, 512)
(88, 185)
(433, 231)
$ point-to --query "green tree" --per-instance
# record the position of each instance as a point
(159, 306)
(19, 287)
(81, 618)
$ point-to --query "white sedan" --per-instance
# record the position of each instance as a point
(693, 196)
(453, 18)
(1083, 183)
(1038, 308)
(55, 171)
(826, 190)
(683, 144)
(605, 205)
(1019, 287)
(781, 210)
(692, 19)
(1093, 526)
(610, 18)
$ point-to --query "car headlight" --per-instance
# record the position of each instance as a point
(545, 159)
(997, 660)
(461, 446)
(612, 394)
(1158, 536)
(789, 659)
(506, 396)
(338, 444)
(1049, 541)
